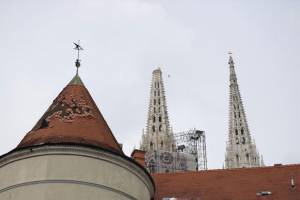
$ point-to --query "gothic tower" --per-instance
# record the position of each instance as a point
(241, 150)
(158, 134)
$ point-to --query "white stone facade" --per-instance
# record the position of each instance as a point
(241, 149)
(158, 134)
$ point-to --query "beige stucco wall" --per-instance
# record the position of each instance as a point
(73, 173)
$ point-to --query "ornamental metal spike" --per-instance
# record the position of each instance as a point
(78, 48)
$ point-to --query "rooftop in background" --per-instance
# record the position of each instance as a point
(276, 182)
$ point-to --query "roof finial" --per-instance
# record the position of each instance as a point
(78, 48)
(231, 63)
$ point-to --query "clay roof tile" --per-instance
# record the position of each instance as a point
(73, 117)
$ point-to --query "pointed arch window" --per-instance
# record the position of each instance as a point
(153, 128)
(159, 118)
(153, 119)
(236, 132)
(243, 140)
(159, 128)
(247, 157)
(154, 101)
(158, 101)
(237, 141)
(151, 145)
(242, 131)
(161, 144)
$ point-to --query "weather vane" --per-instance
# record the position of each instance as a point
(78, 48)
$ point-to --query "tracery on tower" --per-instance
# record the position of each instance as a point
(158, 134)
(241, 149)
(165, 151)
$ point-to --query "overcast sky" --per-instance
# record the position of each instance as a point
(124, 40)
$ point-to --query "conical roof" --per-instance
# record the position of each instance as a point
(72, 118)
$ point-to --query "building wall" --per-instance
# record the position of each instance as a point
(71, 173)
(165, 161)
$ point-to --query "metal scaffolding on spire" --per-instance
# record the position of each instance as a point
(193, 142)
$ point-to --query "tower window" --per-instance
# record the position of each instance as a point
(237, 158)
(236, 132)
(243, 140)
(159, 119)
(154, 101)
(247, 157)
(159, 128)
(154, 93)
(158, 109)
(151, 145)
(153, 119)
(153, 128)
(239, 114)
(154, 110)
(158, 93)
(242, 131)
(161, 144)
(158, 101)
(237, 141)
(234, 115)
(157, 84)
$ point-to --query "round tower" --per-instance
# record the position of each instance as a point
(71, 154)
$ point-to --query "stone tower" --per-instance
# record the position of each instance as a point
(241, 150)
(158, 134)
(72, 154)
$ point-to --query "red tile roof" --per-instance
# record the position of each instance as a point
(73, 117)
(139, 156)
(234, 184)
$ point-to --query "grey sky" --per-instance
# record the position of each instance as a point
(125, 40)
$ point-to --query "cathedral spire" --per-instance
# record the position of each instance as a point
(241, 150)
(158, 134)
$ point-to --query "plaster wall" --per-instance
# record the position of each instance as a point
(71, 173)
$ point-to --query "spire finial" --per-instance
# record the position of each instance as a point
(231, 63)
(78, 48)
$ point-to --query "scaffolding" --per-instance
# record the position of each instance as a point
(193, 142)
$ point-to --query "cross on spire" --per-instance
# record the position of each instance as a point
(78, 48)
